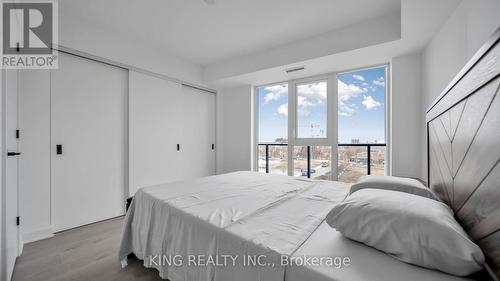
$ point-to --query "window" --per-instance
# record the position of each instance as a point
(320, 162)
(300, 155)
(312, 161)
(361, 123)
(273, 128)
(311, 110)
(354, 111)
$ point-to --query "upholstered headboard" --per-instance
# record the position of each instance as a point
(463, 129)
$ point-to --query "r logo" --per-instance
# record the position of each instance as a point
(27, 28)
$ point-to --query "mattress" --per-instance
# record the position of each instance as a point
(253, 217)
(250, 226)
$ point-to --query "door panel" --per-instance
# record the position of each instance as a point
(88, 120)
(198, 131)
(11, 171)
(34, 165)
(155, 123)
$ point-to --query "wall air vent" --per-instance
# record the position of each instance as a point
(290, 70)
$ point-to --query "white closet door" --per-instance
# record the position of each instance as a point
(88, 118)
(155, 122)
(12, 246)
(198, 130)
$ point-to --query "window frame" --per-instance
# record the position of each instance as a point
(330, 107)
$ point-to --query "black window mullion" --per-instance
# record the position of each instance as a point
(368, 159)
(308, 161)
(267, 158)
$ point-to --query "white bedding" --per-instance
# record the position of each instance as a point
(242, 214)
(247, 213)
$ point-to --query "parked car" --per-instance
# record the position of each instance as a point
(303, 171)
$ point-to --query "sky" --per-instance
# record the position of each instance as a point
(361, 108)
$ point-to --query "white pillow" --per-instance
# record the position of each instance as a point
(407, 185)
(411, 228)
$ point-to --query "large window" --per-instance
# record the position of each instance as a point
(361, 123)
(355, 125)
(273, 128)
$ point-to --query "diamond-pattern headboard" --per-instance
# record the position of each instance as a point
(463, 129)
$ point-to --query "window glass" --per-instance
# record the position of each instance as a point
(320, 162)
(361, 122)
(311, 110)
(320, 157)
(273, 113)
(273, 128)
(300, 161)
(361, 106)
(352, 163)
(377, 166)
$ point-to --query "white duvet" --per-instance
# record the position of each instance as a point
(230, 227)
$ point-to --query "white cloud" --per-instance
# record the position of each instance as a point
(275, 92)
(310, 95)
(283, 109)
(346, 92)
(358, 77)
(315, 91)
(304, 104)
(379, 82)
(346, 110)
(370, 103)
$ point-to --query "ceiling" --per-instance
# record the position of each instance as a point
(205, 33)
(419, 21)
(235, 42)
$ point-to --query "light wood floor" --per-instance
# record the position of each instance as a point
(80, 254)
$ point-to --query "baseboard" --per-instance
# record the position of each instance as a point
(36, 235)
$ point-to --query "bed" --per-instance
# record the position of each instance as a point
(177, 227)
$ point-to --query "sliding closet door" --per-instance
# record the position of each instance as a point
(10, 119)
(88, 141)
(198, 131)
(155, 126)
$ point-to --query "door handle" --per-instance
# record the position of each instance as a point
(11, 153)
(59, 149)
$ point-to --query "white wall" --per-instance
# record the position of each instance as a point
(472, 23)
(87, 37)
(360, 35)
(234, 129)
(407, 117)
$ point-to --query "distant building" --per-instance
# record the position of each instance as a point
(281, 140)
(354, 141)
